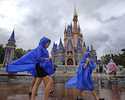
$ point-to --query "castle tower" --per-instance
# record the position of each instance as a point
(65, 38)
(9, 49)
(67, 34)
(76, 29)
(53, 52)
(61, 53)
(74, 45)
(79, 51)
(75, 22)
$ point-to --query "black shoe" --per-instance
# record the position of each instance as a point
(30, 93)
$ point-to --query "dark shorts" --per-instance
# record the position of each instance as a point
(40, 72)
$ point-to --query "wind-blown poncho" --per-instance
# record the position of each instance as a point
(83, 78)
(28, 61)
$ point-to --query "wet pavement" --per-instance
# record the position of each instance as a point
(113, 89)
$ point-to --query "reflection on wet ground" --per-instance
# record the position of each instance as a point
(112, 89)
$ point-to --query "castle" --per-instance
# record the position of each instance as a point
(70, 53)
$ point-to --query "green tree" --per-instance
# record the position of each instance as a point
(19, 52)
(119, 59)
(1, 53)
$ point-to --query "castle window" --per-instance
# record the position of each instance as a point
(69, 52)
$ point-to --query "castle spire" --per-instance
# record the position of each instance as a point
(12, 37)
(9, 50)
(54, 49)
(79, 45)
(75, 12)
(75, 22)
(65, 29)
(75, 17)
(61, 48)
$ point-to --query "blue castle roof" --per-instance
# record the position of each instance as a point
(79, 46)
(69, 45)
(61, 47)
(69, 30)
(12, 37)
(54, 49)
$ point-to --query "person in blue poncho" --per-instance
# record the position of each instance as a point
(38, 63)
(83, 78)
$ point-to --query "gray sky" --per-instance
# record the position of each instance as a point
(102, 21)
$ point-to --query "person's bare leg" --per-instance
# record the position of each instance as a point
(82, 93)
(45, 81)
(48, 86)
(32, 84)
(94, 94)
(35, 88)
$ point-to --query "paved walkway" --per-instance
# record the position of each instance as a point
(19, 91)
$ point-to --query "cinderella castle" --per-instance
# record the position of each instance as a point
(70, 53)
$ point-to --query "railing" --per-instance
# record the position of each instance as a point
(62, 74)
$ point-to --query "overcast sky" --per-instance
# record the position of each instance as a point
(102, 21)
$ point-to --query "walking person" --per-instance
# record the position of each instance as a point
(82, 81)
(36, 62)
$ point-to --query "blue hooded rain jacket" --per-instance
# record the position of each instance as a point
(83, 78)
(28, 61)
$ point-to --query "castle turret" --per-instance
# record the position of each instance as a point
(69, 30)
(76, 30)
(12, 38)
(79, 51)
(75, 21)
(9, 50)
(54, 49)
(61, 53)
(54, 52)
(79, 46)
(65, 38)
(61, 48)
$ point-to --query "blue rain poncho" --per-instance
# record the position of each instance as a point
(28, 61)
(83, 78)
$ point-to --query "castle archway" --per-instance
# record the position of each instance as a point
(69, 61)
